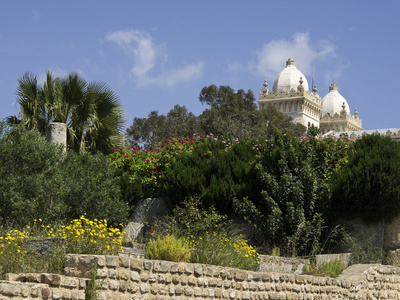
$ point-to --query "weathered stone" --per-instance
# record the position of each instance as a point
(198, 270)
(123, 273)
(144, 288)
(144, 276)
(164, 267)
(135, 276)
(124, 261)
(113, 285)
(112, 274)
(147, 265)
(132, 287)
(136, 265)
(188, 269)
(112, 261)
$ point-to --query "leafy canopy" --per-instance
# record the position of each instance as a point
(228, 113)
(91, 111)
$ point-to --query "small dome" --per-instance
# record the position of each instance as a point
(333, 102)
(289, 78)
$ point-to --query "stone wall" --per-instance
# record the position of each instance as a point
(279, 264)
(123, 277)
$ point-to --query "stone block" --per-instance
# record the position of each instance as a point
(164, 266)
(112, 261)
(123, 261)
(343, 257)
(198, 270)
(144, 288)
(136, 264)
(123, 274)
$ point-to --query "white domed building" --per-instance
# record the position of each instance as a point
(291, 95)
(336, 114)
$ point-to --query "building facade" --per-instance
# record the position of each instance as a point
(291, 95)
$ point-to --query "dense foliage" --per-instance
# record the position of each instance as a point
(39, 180)
(219, 171)
(369, 185)
(141, 172)
(152, 131)
(295, 200)
(229, 114)
(91, 111)
(281, 186)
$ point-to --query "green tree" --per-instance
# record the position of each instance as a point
(235, 114)
(272, 120)
(91, 111)
(153, 130)
(369, 185)
(231, 114)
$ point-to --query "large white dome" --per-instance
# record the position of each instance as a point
(333, 102)
(289, 78)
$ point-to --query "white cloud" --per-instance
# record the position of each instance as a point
(272, 56)
(332, 76)
(148, 57)
(172, 77)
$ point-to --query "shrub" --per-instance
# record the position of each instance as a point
(141, 172)
(368, 186)
(294, 201)
(39, 180)
(363, 251)
(327, 269)
(217, 172)
(223, 249)
(168, 248)
(187, 219)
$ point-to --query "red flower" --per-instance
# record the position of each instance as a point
(335, 162)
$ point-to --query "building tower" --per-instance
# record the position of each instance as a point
(336, 115)
(291, 96)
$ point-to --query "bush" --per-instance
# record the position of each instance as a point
(39, 180)
(187, 219)
(327, 269)
(141, 172)
(168, 248)
(368, 186)
(217, 171)
(363, 251)
(223, 249)
(293, 208)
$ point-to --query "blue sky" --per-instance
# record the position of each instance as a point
(156, 54)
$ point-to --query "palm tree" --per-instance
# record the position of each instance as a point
(91, 111)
